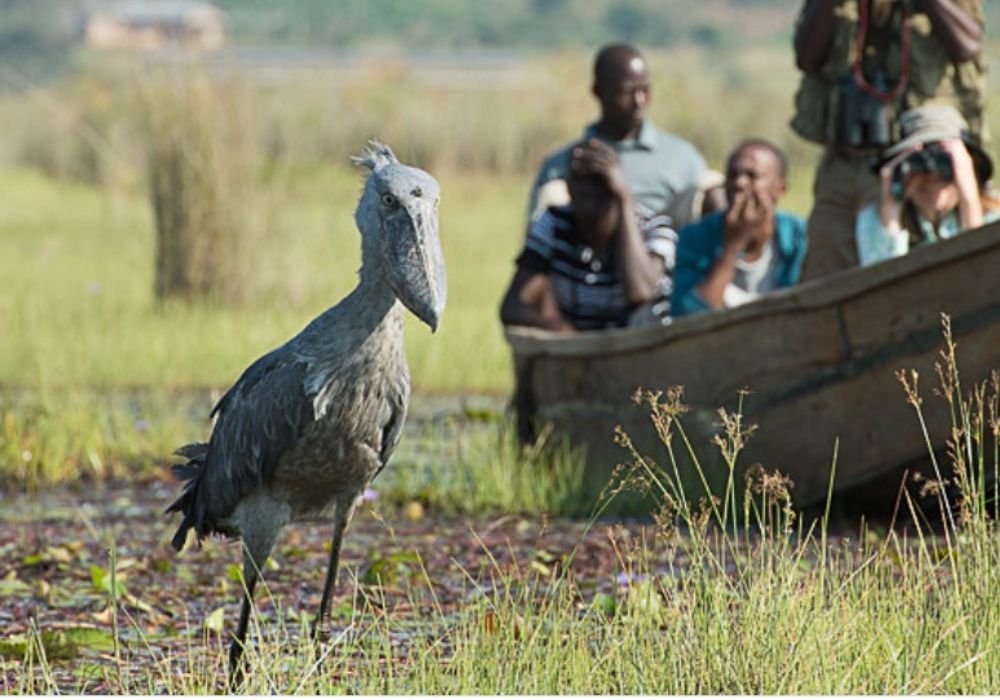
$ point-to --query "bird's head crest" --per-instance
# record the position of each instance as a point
(375, 156)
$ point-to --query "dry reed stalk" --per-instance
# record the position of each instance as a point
(205, 173)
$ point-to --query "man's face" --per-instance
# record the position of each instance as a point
(754, 168)
(623, 92)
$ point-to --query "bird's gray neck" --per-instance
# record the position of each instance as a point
(372, 303)
(371, 313)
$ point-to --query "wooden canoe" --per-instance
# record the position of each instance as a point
(820, 361)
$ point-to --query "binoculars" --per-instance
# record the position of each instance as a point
(864, 121)
(931, 159)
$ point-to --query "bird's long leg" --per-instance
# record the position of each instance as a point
(236, 663)
(257, 543)
(339, 525)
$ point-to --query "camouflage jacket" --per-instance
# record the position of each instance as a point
(933, 75)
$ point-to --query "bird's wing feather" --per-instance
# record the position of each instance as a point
(257, 421)
(392, 429)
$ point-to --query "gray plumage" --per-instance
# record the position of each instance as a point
(307, 426)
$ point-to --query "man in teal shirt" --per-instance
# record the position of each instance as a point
(734, 256)
(663, 171)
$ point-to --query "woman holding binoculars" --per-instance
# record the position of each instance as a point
(931, 186)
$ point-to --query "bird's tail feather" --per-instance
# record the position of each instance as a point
(190, 472)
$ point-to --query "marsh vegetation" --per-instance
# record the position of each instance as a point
(476, 567)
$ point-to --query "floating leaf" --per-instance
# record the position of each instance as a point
(137, 604)
(297, 615)
(546, 556)
(345, 609)
(103, 582)
(379, 572)
(893, 555)
(405, 557)
(185, 573)
(88, 637)
(540, 568)
(64, 643)
(42, 589)
(161, 566)
(89, 672)
(388, 570)
(480, 415)
(14, 588)
(214, 621)
(604, 604)
(14, 647)
(51, 555)
(643, 600)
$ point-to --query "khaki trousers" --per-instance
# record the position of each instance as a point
(844, 185)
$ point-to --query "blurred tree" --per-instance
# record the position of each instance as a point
(627, 21)
(35, 39)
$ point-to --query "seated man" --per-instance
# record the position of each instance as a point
(590, 264)
(733, 256)
(663, 171)
(931, 184)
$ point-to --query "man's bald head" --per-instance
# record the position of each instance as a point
(613, 60)
(622, 85)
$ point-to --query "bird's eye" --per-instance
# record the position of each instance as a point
(388, 200)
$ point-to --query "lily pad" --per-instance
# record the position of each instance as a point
(389, 570)
(215, 620)
(103, 582)
(604, 604)
(67, 643)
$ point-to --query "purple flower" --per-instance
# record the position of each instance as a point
(370, 495)
(625, 579)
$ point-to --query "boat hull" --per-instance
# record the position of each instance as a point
(820, 363)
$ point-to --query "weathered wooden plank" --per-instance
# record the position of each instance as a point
(770, 352)
(909, 309)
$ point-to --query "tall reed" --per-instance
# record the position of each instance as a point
(206, 179)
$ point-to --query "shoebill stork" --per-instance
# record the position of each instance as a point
(307, 426)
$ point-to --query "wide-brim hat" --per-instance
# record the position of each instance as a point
(937, 122)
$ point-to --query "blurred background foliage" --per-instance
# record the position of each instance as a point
(101, 150)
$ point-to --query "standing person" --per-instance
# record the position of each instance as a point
(864, 62)
(734, 256)
(663, 171)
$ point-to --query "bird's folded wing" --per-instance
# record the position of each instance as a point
(262, 416)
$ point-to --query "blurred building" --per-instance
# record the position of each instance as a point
(149, 26)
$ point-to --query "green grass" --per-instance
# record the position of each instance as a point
(77, 303)
(462, 460)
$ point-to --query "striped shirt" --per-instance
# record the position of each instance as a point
(587, 283)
